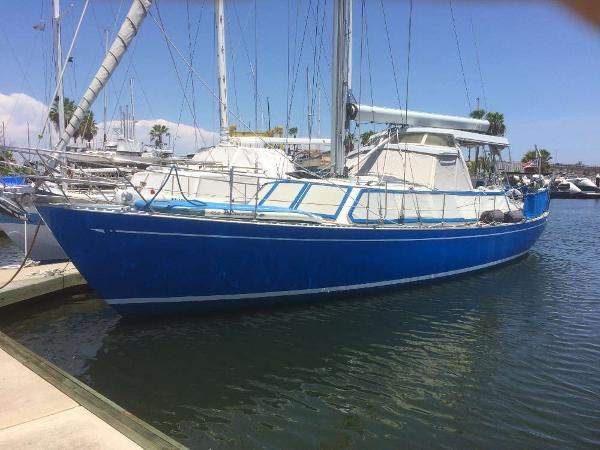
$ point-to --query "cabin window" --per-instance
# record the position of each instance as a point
(379, 206)
(408, 138)
(442, 140)
(323, 200)
(282, 194)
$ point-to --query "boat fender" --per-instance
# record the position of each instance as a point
(492, 216)
(514, 216)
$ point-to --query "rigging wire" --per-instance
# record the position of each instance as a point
(183, 90)
(289, 112)
(479, 64)
(408, 54)
(389, 42)
(187, 81)
(462, 67)
(253, 69)
(191, 52)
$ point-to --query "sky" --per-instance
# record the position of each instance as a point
(533, 61)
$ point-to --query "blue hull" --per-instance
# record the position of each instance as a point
(141, 262)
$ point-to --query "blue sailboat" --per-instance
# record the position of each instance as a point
(401, 211)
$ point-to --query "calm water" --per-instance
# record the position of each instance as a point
(508, 358)
(9, 253)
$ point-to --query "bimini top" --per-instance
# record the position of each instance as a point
(273, 162)
(465, 138)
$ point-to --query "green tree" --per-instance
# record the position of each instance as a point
(87, 128)
(293, 131)
(496, 120)
(157, 133)
(364, 137)
(6, 160)
(478, 114)
(497, 126)
(544, 155)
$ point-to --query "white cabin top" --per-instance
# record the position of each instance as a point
(272, 162)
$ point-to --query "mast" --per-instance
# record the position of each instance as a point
(135, 17)
(132, 110)
(339, 84)
(308, 105)
(60, 100)
(126, 123)
(220, 25)
(349, 47)
(105, 104)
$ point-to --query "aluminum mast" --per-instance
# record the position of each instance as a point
(136, 15)
(339, 85)
(132, 110)
(60, 97)
(221, 63)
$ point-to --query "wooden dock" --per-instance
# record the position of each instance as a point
(43, 407)
(36, 281)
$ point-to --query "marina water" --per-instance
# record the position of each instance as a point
(505, 358)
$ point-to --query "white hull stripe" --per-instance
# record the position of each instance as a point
(207, 298)
(268, 238)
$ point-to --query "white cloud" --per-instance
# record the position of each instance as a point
(18, 109)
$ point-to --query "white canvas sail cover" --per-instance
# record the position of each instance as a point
(271, 161)
(136, 15)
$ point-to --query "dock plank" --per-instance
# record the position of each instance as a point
(36, 281)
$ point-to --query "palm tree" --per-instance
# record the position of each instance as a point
(364, 137)
(293, 131)
(478, 114)
(87, 128)
(497, 126)
(69, 107)
(544, 155)
(496, 120)
(157, 132)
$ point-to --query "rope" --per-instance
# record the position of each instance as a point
(37, 228)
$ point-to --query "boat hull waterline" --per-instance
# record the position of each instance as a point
(139, 261)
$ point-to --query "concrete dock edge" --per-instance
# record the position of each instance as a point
(143, 434)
